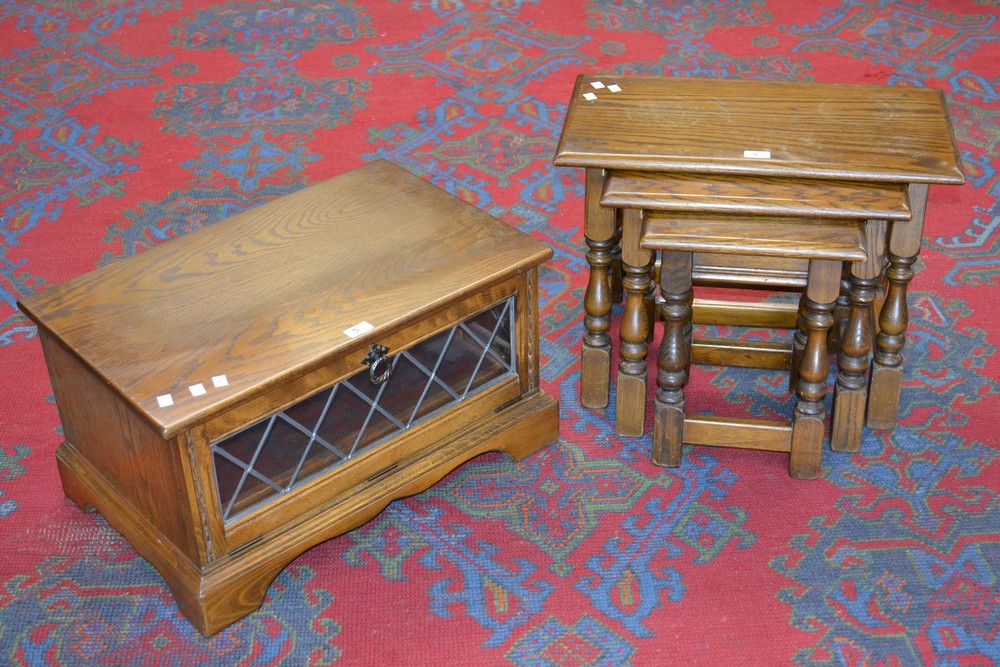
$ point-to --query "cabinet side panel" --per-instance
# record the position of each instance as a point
(144, 469)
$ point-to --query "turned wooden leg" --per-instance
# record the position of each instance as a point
(596, 361)
(673, 361)
(842, 312)
(887, 368)
(814, 366)
(652, 308)
(615, 274)
(798, 345)
(599, 231)
(636, 268)
(851, 393)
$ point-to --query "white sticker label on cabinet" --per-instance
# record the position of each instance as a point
(197, 389)
(597, 85)
(760, 155)
(165, 401)
(358, 329)
(615, 88)
(589, 96)
(219, 381)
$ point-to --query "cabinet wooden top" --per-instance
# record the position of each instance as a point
(842, 131)
(275, 290)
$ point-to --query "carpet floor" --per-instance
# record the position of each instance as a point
(127, 123)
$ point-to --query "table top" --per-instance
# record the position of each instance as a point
(760, 195)
(278, 289)
(809, 130)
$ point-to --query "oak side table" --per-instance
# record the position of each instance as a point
(827, 132)
(240, 394)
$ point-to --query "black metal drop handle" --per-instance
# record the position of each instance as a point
(379, 366)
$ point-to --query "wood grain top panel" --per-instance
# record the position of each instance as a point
(862, 132)
(271, 292)
(761, 195)
(835, 239)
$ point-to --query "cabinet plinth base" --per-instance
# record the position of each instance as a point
(234, 585)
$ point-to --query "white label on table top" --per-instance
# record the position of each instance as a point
(615, 88)
(597, 85)
(165, 401)
(197, 389)
(589, 96)
(219, 381)
(358, 329)
(760, 155)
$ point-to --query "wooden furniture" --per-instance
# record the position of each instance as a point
(826, 133)
(238, 395)
(825, 244)
(745, 199)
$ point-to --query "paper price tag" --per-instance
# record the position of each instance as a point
(358, 329)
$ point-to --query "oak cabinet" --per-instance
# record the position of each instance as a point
(236, 396)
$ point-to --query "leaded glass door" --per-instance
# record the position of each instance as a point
(280, 453)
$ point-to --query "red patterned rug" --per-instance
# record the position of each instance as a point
(124, 124)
